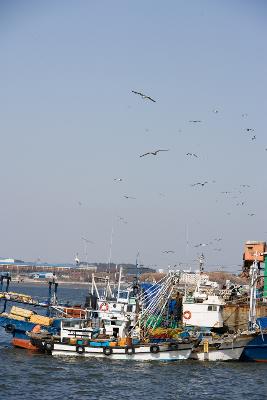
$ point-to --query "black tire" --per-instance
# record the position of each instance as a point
(80, 349)
(9, 328)
(154, 348)
(49, 346)
(173, 346)
(107, 351)
(129, 350)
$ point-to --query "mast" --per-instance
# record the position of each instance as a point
(119, 285)
(253, 273)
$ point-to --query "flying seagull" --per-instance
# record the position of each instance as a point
(144, 96)
(192, 154)
(129, 197)
(168, 251)
(251, 215)
(154, 153)
(249, 130)
(195, 120)
(117, 179)
(201, 244)
(215, 111)
(245, 186)
(87, 240)
(122, 219)
(200, 183)
(253, 137)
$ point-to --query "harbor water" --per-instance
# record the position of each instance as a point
(27, 375)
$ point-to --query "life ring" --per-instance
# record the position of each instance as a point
(154, 348)
(187, 314)
(107, 351)
(129, 350)
(104, 307)
(80, 349)
(9, 328)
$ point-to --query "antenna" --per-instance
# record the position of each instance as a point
(86, 242)
(187, 240)
(110, 248)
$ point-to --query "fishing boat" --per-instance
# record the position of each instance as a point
(256, 349)
(138, 352)
(225, 348)
(121, 335)
(93, 338)
(18, 321)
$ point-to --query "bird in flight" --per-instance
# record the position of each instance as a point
(145, 97)
(249, 130)
(215, 111)
(192, 154)
(154, 153)
(201, 245)
(200, 183)
(129, 197)
(217, 239)
(240, 204)
(87, 240)
(168, 251)
(251, 215)
(117, 179)
(122, 219)
(244, 115)
(253, 137)
(226, 192)
(245, 186)
(195, 120)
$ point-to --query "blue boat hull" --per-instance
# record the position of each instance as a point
(18, 330)
(256, 349)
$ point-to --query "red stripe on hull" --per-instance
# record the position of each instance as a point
(23, 343)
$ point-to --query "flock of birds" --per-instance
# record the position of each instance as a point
(200, 184)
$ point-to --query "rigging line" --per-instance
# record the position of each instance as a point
(161, 312)
(151, 294)
(159, 295)
(163, 308)
(153, 287)
(152, 307)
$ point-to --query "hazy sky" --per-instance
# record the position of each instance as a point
(70, 125)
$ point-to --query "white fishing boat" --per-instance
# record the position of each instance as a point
(226, 348)
(119, 334)
(140, 352)
(203, 311)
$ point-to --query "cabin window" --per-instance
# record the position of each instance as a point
(212, 308)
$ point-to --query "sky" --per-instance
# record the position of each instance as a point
(70, 125)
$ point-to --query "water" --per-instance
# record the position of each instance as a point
(28, 376)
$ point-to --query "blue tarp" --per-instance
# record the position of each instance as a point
(262, 322)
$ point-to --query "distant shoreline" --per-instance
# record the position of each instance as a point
(45, 283)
